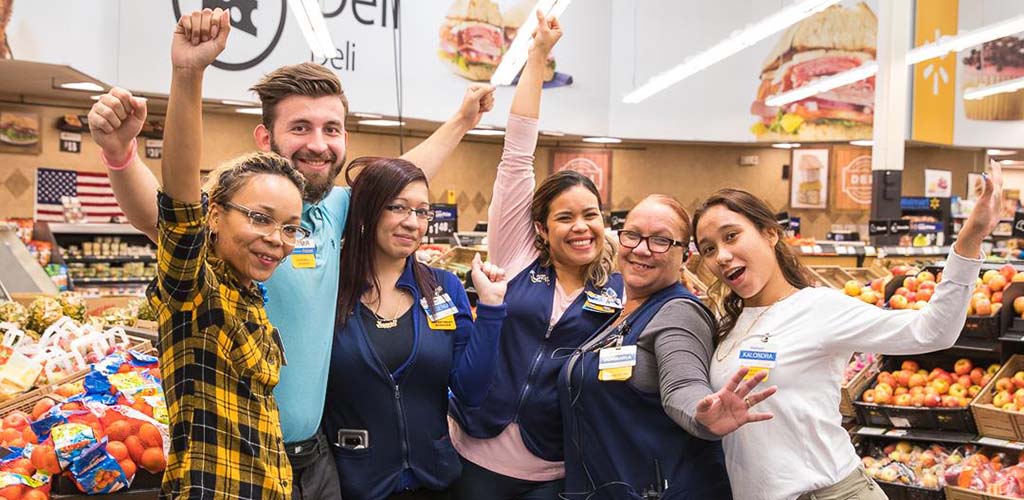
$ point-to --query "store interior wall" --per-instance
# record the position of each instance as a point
(688, 172)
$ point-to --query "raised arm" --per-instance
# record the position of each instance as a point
(431, 154)
(115, 121)
(198, 39)
(510, 232)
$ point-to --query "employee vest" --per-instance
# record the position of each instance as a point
(619, 439)
(404, 414)
(532, 353)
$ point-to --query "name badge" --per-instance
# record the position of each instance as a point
(758, 356)
(616, 363)
(445, 323)
(444, 307)
(304, 254)
(607, 299)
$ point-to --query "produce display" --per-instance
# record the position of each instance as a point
(96, 433)
(913, 386)
(909, 464)
(1008, 392)
(858, 363)
(63, 347)
(994, 473)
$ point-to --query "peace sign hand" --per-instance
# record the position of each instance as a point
(730, 408)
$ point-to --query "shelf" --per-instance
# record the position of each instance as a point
(109, 281)
(112, 260)
(918, 435)
(93, 229)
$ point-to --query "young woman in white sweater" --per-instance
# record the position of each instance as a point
(804, 336)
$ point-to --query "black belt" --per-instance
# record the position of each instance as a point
(302, 454)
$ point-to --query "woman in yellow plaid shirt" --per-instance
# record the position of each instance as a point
(219, 356)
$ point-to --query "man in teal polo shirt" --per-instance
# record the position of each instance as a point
(304, 110)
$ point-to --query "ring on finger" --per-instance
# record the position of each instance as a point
(747, 400)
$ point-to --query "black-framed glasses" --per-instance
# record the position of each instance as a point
(403, 211)
(656, 244)
(265, 225)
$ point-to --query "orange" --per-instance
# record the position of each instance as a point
(150, 436)
(9, 434)
(118, 450)
(143, 407)
(13, 492)
(42, 406)
(135, 448)
(118, 430)
(128, 467)
(35, 494)
(153, 460)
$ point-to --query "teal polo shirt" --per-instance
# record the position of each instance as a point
(301, 303)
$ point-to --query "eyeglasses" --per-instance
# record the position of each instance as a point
(403, 211)
(265, 225)
(656, 244)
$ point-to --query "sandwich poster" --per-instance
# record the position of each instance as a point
(19, 133)
(809, 184)
(835, 40)
(475, 34)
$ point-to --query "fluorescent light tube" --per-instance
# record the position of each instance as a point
(1000, 152)
(319, 25)
(381, 123)
(486, 132)
(975, 93)
(862, 142)
(602, 140)
(786, 145)
(763, 29)
(514, 59)
(298, 8)
(249, 111)
(90, 86)
(820, 85)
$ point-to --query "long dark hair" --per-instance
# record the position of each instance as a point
(760, 214)
(597, 271)
(379, 181)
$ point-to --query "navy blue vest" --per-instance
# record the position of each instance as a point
(404, 413)
(615, 433)
(529, 359)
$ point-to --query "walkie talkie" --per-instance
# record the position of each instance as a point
(655, 491)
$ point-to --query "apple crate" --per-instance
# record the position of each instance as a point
(995, 422)
(856, 386)
(867, 274)
(145, 486)
(834, 276)
(982, 327)
(957, 419)
(958, 493)
(906, 492)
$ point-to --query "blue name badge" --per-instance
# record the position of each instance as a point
(758, 356)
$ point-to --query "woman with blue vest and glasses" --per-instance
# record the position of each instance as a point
(561, 293)
(405, 334)
(631, 396)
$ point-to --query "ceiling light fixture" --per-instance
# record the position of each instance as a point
(751, 35)
(1000, 152)
(486, 132)
(977, 93)
(938, 48)
(367, 115)
(602, 140)
(229, 102)
(90, 86)
(313, 26)
(552, 133)
(249, 111)
(862, 142)
(786, 145)
(515, 57)
(381, 123)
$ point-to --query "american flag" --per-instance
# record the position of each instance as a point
(92, 189)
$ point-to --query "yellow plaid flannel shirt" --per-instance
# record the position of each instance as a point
(220, 358)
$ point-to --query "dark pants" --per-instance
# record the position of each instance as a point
(315, 476)
(421, 494)
(479, 483)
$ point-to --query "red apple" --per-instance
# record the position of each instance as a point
(986, 379)
(926, 285)
(932, 400)
(987, 277)
(902, 291)
(1004, 384)
(997, 283)
(868, 396)
(1008, 271)
(993, 368)
(976, 375)
(963, 366)
(902, 377)
(899, 270)
(950, 402)
(925, 276)
(914, 391)
(957, 390)
(869, 296)
(941, 386)
(964, 380)
(997, 298)
(1018, 305)
(886, 388)
(886, 378)
(925, 295)
(878, 285)
(911, 284)
(883, 398)
(917, 380)
(901, 390)
(902, 400)
(917, 400)
(910, 365)
(982, 307)
(1018, 380)
(1001, 398)
(973, 390)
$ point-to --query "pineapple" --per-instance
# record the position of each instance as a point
(73, 305)
(43, 312)
(13, 312)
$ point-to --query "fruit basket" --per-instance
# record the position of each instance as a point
(994, 417)
(935, 400)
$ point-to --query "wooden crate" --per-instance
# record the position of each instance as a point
(833, 276)
(856, 386)
(866, 274)
(994, 422)
(958, 493)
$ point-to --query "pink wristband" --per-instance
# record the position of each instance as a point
(132, 151)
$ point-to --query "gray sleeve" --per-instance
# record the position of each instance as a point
(680, 337)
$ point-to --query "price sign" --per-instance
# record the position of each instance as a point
(154, 149)
(70, 142)
(444, 224)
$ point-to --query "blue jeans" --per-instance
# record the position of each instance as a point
(477, 483)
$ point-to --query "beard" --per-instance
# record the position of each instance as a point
(317, 184)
